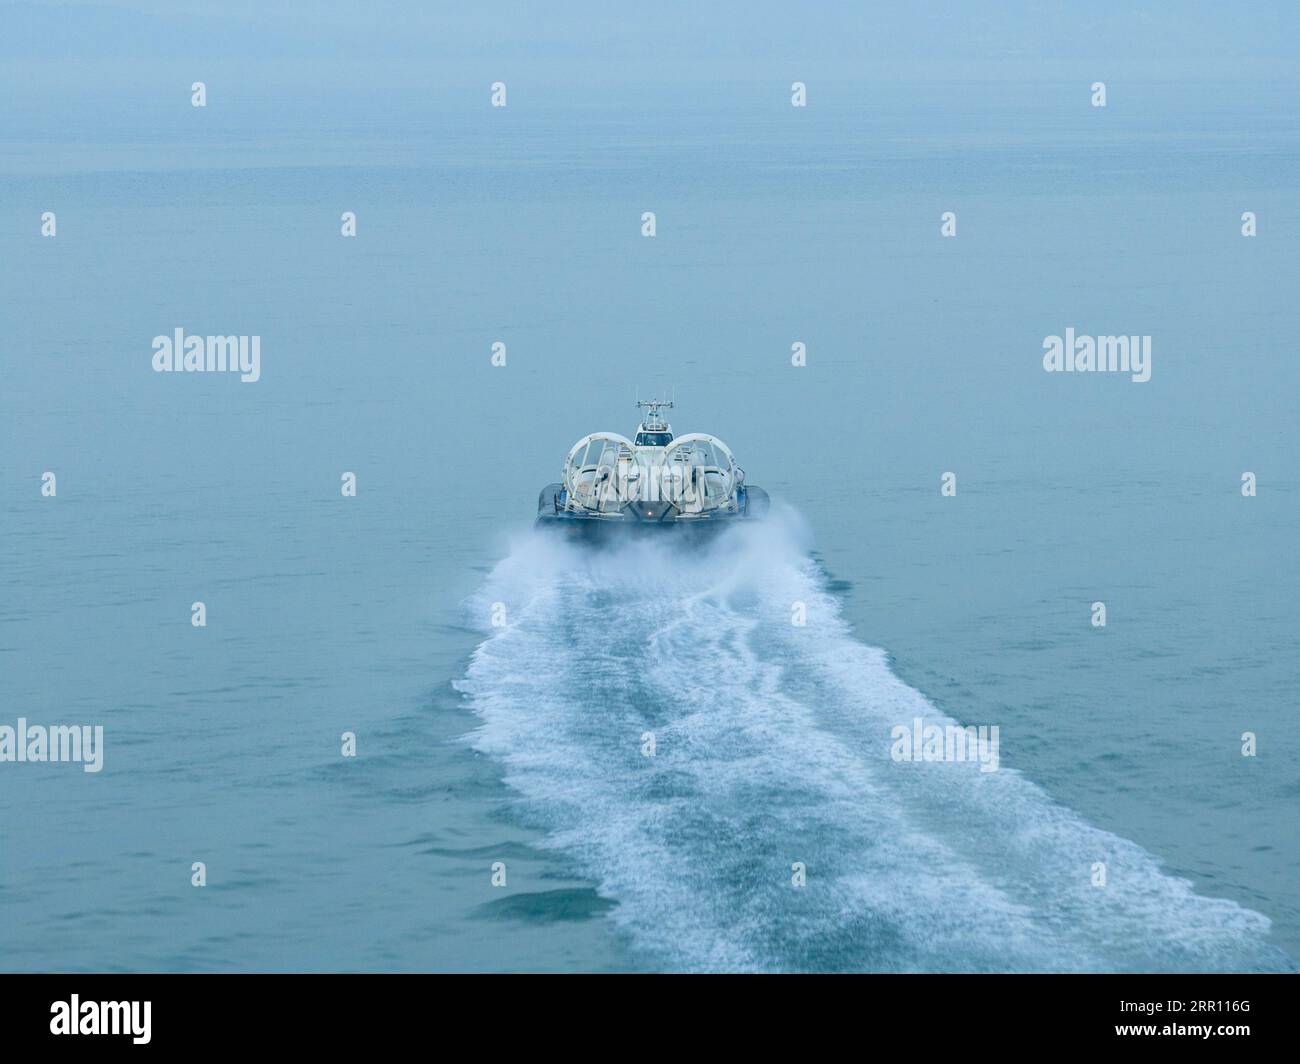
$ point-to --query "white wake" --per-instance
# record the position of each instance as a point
(771, 748)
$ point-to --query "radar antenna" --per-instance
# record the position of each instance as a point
(652, 422)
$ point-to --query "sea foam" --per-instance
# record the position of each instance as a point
(771, 749)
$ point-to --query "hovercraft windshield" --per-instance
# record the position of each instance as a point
(661, 480)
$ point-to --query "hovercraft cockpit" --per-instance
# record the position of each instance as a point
(655, 478)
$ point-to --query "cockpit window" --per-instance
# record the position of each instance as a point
(654, 439)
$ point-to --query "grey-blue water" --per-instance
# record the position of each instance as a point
(523, 744)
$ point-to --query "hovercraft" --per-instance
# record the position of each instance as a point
(654, 480)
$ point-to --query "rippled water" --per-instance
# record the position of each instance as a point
(686, 745)
(522, 745)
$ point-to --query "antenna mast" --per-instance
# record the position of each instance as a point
(653, 422)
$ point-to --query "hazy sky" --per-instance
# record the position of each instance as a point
(397, 42)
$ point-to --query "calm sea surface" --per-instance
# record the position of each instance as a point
(523, 744)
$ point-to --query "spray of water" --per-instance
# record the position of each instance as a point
(771, 750)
